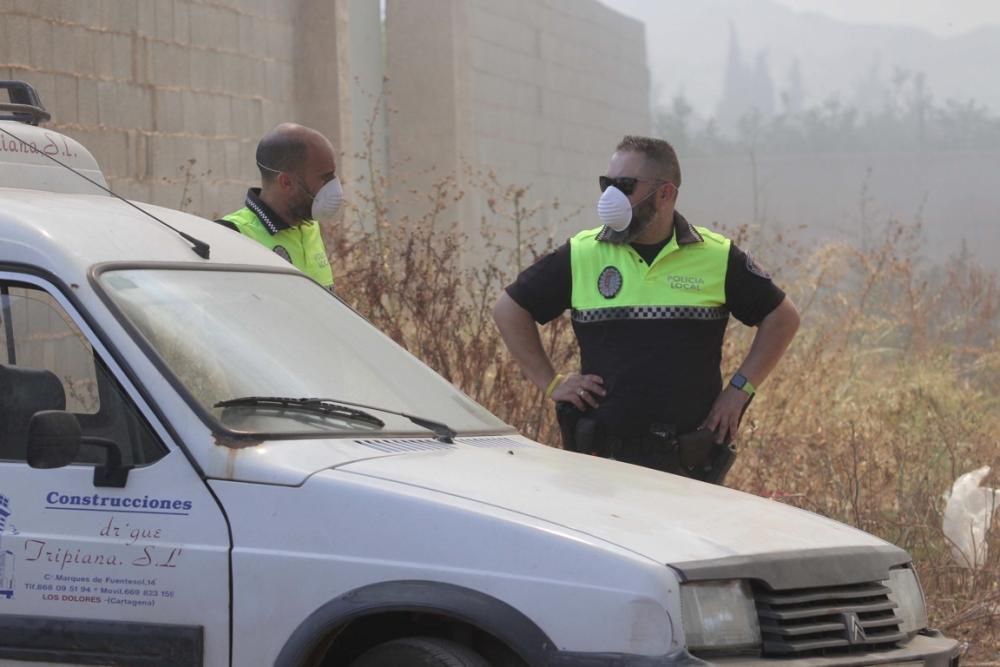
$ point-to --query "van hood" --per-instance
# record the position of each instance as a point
(703, 530)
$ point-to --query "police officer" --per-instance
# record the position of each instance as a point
(299, 186)
(650, 297)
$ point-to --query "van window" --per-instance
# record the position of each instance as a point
(47, 363)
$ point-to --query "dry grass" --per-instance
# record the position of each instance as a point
(888, 393)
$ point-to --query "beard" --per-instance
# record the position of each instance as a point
(301, 210)
(642, 215)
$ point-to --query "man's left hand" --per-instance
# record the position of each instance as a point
(724, 418)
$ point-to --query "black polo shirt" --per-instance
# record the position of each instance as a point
(667, 370)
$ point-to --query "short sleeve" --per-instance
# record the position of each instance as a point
(545, 288)
(750, 293)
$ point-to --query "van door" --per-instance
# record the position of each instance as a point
(92, 574)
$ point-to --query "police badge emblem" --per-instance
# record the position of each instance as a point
(609, 283)
(282, 253)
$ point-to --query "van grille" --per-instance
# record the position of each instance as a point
(832, 620)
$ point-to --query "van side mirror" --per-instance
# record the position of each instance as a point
(54, 439)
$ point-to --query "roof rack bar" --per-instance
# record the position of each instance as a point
(25, 105)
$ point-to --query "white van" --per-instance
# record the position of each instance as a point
(167, 497)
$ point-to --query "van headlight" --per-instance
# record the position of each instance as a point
(719, 615)
(905, 591)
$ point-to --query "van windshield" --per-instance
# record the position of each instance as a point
(231, 334)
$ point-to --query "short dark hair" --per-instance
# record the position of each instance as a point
(280, 152)
(657, 151)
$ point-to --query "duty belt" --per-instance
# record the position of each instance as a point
(694, 454)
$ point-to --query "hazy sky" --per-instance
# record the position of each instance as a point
(941, 17)
(839, 45)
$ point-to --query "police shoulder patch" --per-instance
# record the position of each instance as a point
(609, 283)
(756, 269)
(282, 253)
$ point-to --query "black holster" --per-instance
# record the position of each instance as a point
(580, 432)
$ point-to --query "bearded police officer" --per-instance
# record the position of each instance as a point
(299, 186)
(650, 297)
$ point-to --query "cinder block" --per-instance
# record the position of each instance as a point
(168, 112)
(86, 102)
(215, 160)
(135, 107)
(248, 161)
(138, 149)
(109, 147)
(104, 55)
(142, 50)
(114, 146)
(248, 38)
(197, 113)
(30, 7)
(64, 105)
(70, 11)
(279, 81)
(238, 117)
(203, 69)
(107, 103)
(214, 27)
(229, 73)
(279, 39)
(231, 168)
(122, 50)
(169, 65)
(164, 19)
(64, 40)
(182, 21)
(19, 37)
(5, 45)
(221, 112)
(146, 18)
(206, 115)
(120, 15)
(161, 159)
(41, 46)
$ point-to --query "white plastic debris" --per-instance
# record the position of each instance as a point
(968, 513)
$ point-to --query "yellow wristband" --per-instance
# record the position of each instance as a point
(559, 377)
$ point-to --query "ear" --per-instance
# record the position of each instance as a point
(669, 193)
(285, 181)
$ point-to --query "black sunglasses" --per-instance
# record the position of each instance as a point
(624, 183)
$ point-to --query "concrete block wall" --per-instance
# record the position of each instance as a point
(538, 91)
(172, 96)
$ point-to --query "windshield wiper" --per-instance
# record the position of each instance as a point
(312, 405)
(442, 431)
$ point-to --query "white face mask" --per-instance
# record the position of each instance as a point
(326, 203)
(614, 209)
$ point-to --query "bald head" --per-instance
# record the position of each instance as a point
(287, 147)
(295, 162)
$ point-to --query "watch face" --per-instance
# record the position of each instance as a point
(738, 381)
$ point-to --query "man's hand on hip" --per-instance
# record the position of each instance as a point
(724, 418)
(580, 390)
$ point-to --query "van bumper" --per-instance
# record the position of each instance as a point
(928, 649)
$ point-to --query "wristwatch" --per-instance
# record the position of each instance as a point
(742, 383)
